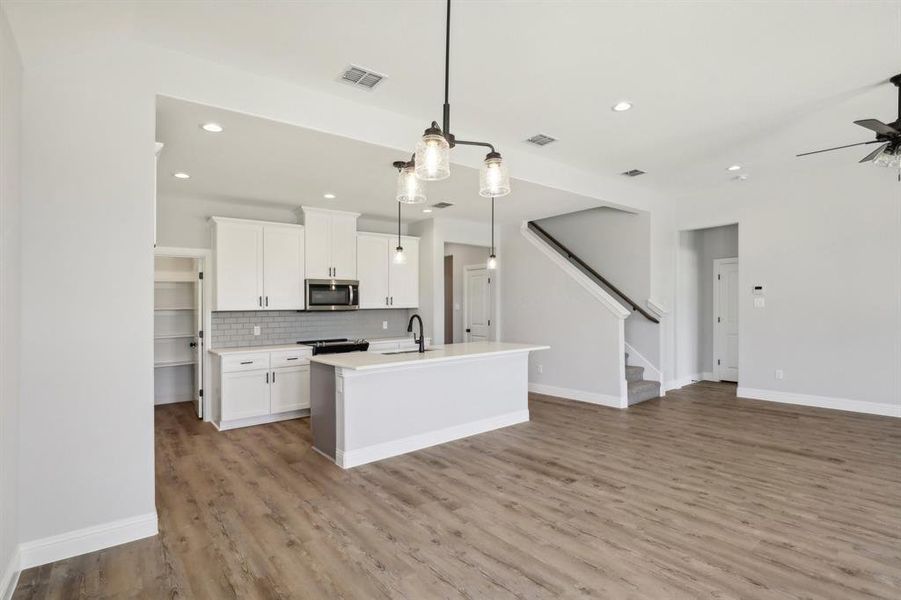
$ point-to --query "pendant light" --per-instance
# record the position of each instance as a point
(492, 259)
(431, 157)
(409, 188)
(399, 256)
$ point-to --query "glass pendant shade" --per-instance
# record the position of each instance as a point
(400, 257)
(432, 156)
(492, 262)
(494, 180)
(409, 188)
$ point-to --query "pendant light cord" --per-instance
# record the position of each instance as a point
(447, 70)
(398, 225)
(492, 226)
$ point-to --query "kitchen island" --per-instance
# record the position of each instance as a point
(367, 406)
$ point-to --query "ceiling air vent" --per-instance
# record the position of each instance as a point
(360, 77)
(442, 204)
(541, 139)
(633, 173)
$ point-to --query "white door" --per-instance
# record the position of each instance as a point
(290, 389)
(373, 258)
(283, 268)
(245, 394)
(344, 246)
(317, 255)
(477, 304)
(725, 319)
(197, 342)
(239, 266)
(403, 279)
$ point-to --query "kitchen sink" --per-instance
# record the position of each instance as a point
(405, 352)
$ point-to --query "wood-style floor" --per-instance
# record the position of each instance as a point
(697, 495)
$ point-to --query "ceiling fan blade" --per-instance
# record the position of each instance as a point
(872, 155)
(878, 126)
(840, 147)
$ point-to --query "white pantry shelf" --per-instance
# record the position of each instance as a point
(173, 363)
(173, 308)
(174, 336)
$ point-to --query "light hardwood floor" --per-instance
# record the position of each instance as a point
(697, 495)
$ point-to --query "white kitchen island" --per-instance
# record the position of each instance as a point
(368, 406)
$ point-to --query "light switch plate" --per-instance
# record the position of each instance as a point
(384, 324)
(256, 330)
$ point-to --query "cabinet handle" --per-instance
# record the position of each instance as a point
(293, 358)
(386, 300)
(392, 300)
(246, 362)
(267, 300)
(267, 376)
(273, 377)
(261, 301)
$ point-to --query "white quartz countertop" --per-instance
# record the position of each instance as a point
(364, 361)
(276, 348)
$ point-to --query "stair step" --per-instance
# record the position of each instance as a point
(642, 390)
(634, 373)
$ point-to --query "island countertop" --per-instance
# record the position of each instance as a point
(364, 361)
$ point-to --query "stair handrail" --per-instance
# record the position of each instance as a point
(582, 264)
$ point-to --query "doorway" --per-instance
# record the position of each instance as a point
(477, 303)
(180, 318)
(459, 259)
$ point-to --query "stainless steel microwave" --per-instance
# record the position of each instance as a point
(332, 294)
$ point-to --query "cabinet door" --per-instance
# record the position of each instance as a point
(317, 244)
(239, 266)
(245, 394)
(290, 389)
(344, 245)
(283, 268)
(373, 253)
(404, 278)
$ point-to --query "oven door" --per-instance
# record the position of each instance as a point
(332, 294)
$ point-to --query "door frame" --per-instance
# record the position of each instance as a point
(492, 322)
(717, 263)
(205, 256)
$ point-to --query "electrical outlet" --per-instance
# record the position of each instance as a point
(540, 368)
(384, 324)
(779, 374)
(256, 330)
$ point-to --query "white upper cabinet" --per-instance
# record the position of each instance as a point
(283, 276)
(331, 244)
(372, 269)
(238, 246)
(258, 265)
(403, 279)
(384, 283)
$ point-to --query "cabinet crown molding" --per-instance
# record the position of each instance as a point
(254, 221)
(306, 209)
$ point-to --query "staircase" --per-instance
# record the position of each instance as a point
(639, 389)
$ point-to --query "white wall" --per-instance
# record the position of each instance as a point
(10, 127)
(687, 364)
(464, 255)
(824, 238)
(541, 303)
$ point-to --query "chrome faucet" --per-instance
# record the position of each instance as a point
(421, 340)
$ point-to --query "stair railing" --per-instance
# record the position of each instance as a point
(535, 227)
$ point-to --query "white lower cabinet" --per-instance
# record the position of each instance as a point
(262, 387)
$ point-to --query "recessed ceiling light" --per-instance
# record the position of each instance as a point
(742, 177)
(734, 168)
(181, 175)
(622, 106)
(212, 127)
(426, 210)
(328, 196)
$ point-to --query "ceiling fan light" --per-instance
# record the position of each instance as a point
(889, 158)
(410, 189)
(432, 156)
(494, 180)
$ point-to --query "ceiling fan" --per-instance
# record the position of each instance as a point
(888, 154)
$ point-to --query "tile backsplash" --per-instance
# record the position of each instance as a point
(233, 329)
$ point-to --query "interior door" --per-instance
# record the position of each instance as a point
(373, 252)
(199, 353)
(290, 389)
(344, 245)
(725, 326)
(403, 279)
(318, 241)
(239, 266)
(283, 268)
(477, 304)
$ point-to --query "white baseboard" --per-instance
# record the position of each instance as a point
(10, 575)
(860, 406)
(90, 539)
(580, 395)
(362, 456)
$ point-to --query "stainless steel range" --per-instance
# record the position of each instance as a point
(336, 345)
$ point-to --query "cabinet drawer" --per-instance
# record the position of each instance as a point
(290, 358)
(245, 362)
